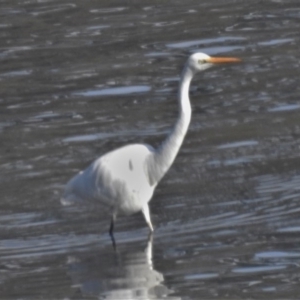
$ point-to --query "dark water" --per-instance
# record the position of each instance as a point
(79, 78)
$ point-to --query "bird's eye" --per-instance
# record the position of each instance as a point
(201, 61)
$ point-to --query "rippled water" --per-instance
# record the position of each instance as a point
(78, 79)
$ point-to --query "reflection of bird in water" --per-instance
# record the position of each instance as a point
(125, 179)
(132, 277)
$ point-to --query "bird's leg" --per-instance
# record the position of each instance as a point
(111, 230)
(112, 225)
(146, 214)
(113, 242)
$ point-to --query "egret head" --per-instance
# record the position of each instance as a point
(201, 61)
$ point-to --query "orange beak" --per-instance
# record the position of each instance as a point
(220, 60)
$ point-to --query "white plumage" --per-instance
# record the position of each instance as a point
(124, 179)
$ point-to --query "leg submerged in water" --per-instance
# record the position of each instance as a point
(111, 230)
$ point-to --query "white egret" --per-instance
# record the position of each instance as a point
(124, 179)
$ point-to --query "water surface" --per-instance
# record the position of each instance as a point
(78, 79)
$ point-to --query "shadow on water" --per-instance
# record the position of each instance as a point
(77, 80)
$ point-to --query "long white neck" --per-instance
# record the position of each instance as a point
(159, 163)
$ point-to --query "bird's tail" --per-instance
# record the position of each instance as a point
(70, 199)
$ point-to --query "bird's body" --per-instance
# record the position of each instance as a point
(118, 179)
(124, 179)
